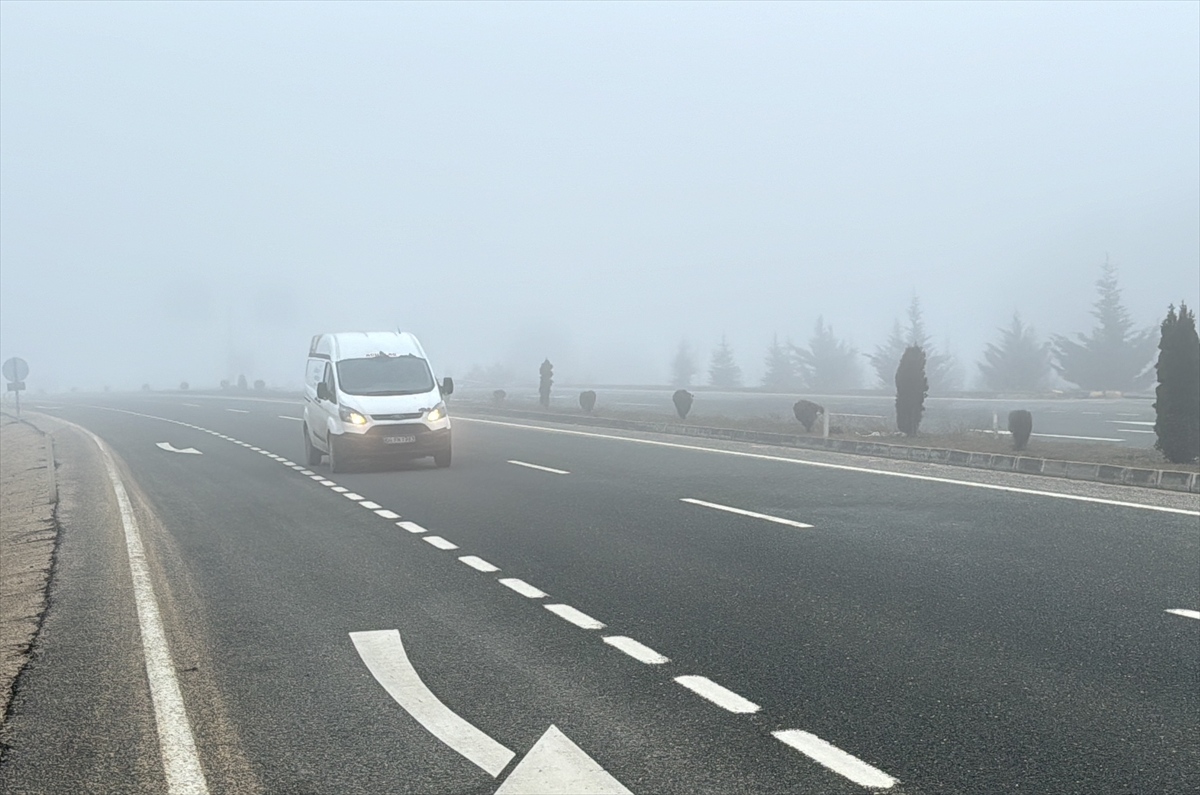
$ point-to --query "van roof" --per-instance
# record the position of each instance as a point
(360, 344)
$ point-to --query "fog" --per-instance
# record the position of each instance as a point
(191, 191)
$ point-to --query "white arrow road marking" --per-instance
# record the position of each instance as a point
(1185, 613)
(835, 759)
(556, 765)
(383, 652)
(169, 448)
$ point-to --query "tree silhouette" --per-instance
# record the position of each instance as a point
(828, 364)
(940, 368)
(722, 371)
(1177, 397)
(683, 366)
(911, 389)
(1019, 363)
(781, 367)
(546, 372)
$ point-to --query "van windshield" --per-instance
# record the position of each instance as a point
(385, 375)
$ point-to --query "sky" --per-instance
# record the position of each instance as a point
(190, 191)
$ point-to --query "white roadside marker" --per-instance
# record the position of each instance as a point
(372, 506)
(350, 495)
(636, 650)
(522, 587)
(1185, 613)
(835, 759)
(411, 527)
(722, 697)
(177, 746)
(579, 619)
(440, 542)
(479, 564)
(542, 468)
(386, 514)
(741, 512)
(384, 654)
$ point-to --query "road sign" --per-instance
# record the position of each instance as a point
(16, 386)
(16, 368)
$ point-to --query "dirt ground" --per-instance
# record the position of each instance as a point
(27, 537)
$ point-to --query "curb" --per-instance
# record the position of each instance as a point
(1168, 479)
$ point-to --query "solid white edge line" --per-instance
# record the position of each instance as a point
(411, 527)
(181, 763)
(383, 652)
(576, 617)
(835, 759)
(742, 512)
(542, 468)
(522, 587)
(386, 514)
(1185, 613)
(637, 651)
(721, 696)
(846, 467)
(479, 564)
(439, 542)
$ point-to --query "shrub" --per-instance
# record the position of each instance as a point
(1177, 397)
(224, 383)
(587, 401)
(546, 372)
(911, 389)
(145, 387)
(183, 386)
(1020, 425)
(242, 383)
(683, 402)
(260, 385)
(499, 395)
(807, 412)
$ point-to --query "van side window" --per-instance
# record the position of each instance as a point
(329, 381)
(316, 371)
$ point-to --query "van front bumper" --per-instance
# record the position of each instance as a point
(407, 440)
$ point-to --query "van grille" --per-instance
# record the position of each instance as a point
(412, 415)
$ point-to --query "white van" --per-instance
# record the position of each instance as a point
(372, 394)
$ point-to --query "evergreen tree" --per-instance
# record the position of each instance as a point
(683, 366)
(1019, 363)
(1115, 357)
(546, 373)
(886, 358)
(941, 369)
(722, 371)
(1177, 404)
(781, 367)
(911, 389)
(828, 364)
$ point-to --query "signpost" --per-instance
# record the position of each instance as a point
(15, 370)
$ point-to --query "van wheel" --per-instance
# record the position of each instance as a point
(337, 461)
(442, 457)
(312, 456)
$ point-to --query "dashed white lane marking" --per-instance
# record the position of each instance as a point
(411, 527)
(238, 411)
(722, 697)
(350, 495)
(576, 617)
(339, 489)
(479, 564)
(289, 417)
(542, 468)
(440, 542)
(177, 746)
(384, 654)
(835, 759)
(522, 587)
(637, 651)
(192, 405)
(842, 467)
(1185, 613)
(372, 506)
(386, 514)
(741, 512)
(306, 472)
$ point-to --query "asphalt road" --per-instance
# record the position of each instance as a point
(948, 637)
(1123, 421)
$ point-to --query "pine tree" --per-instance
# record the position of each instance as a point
(722, 371)
(886, 358)
(546, 373)
(683, 366)
(941, 369)
(1019, 363)
(1114, 357)
(911, 389)
(828, 364)
(781, 367)
(1177, 404)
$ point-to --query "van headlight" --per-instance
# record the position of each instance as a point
(436, 413)
(351, 416)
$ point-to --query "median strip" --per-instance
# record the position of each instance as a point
(742, 512)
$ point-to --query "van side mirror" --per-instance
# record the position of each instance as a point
(447, 386)
(323, 392)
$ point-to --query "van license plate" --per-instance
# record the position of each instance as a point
(399, 439)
